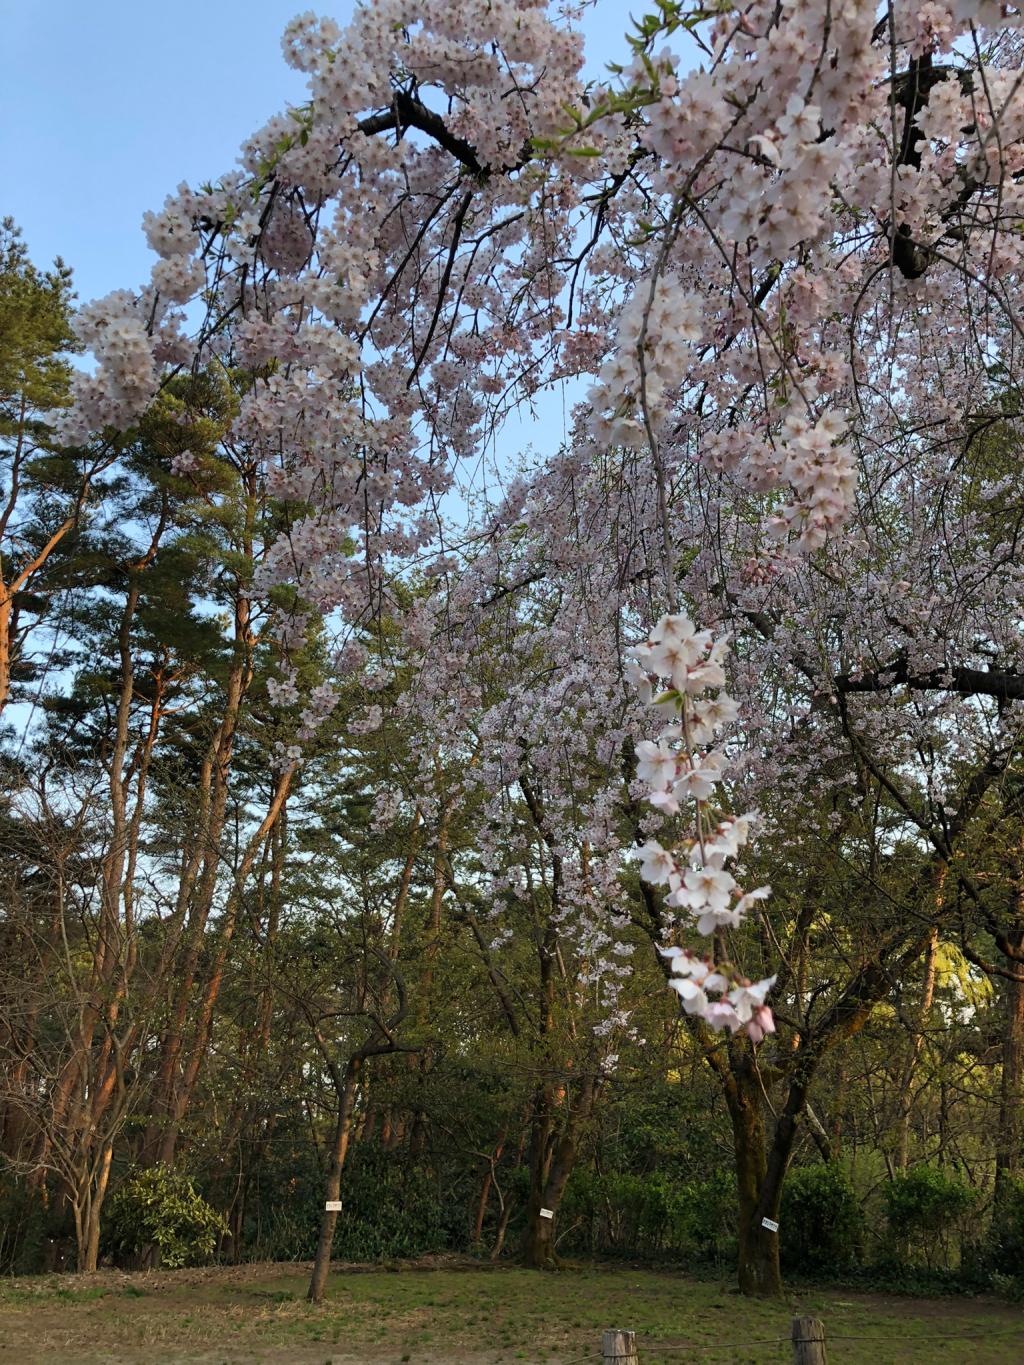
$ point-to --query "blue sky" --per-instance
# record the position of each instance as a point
(106, 105)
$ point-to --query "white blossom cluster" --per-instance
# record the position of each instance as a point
(653, 350)
(679, 768)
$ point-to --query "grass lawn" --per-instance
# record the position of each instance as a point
(468, 1315)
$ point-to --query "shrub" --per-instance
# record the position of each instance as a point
(925, 1206)
(616, 1212)
(821, 1222)
(625, 1214)
(157, 1218)
(1004, 1252)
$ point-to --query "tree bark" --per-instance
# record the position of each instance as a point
(332, 1191)
(758, 1268)
(99, 1194)
(551, 1165)
(485, 1191)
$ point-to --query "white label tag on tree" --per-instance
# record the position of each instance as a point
(547, 1213)
(333, 1206)
(770, 1224)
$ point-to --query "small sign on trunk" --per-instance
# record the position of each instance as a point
(770, 1224)
(333, 1206)
(547, 1213)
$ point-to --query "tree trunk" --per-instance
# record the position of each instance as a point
(906, 1102)
(1011, 1089)
(87, 1205)
(758, 1267)
(758, 1260)
(532, 1250)
(551, 1166)
(481, 1209)
(99, 1194)
(485, 1192)
(501, 1229)
(6, 605)
(538, 1250)
(181, 1095)
(329, 1218)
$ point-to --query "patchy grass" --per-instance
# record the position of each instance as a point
(469, 1315)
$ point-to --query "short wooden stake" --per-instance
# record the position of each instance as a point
(619, 1348)
(808, 1342)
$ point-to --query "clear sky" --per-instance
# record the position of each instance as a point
(106, 105)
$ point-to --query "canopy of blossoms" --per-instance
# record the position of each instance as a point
(790, 264)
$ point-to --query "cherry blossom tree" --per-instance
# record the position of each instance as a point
(785, 280)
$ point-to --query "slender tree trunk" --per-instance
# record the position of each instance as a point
(1011, 1089)
(332, 1192)
(905, 1098)
(418, 1128)
(485, 1192)
(6, 632)
(182, 1096)
(106, 973)
(86, 1200)
(99, 1194)
(481, 1209)
(80, 1216)
(198, 896)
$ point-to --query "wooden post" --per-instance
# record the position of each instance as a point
(808, 1342)
(619, 1348)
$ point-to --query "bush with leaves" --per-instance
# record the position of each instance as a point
(925, 1206)
(624, 1214)
(158, 1218)
(822, 1224)
(1003, 1251)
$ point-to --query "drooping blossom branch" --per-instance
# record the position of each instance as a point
(683, 770)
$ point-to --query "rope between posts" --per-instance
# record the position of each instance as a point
(703, 1348)
(933, 1336)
